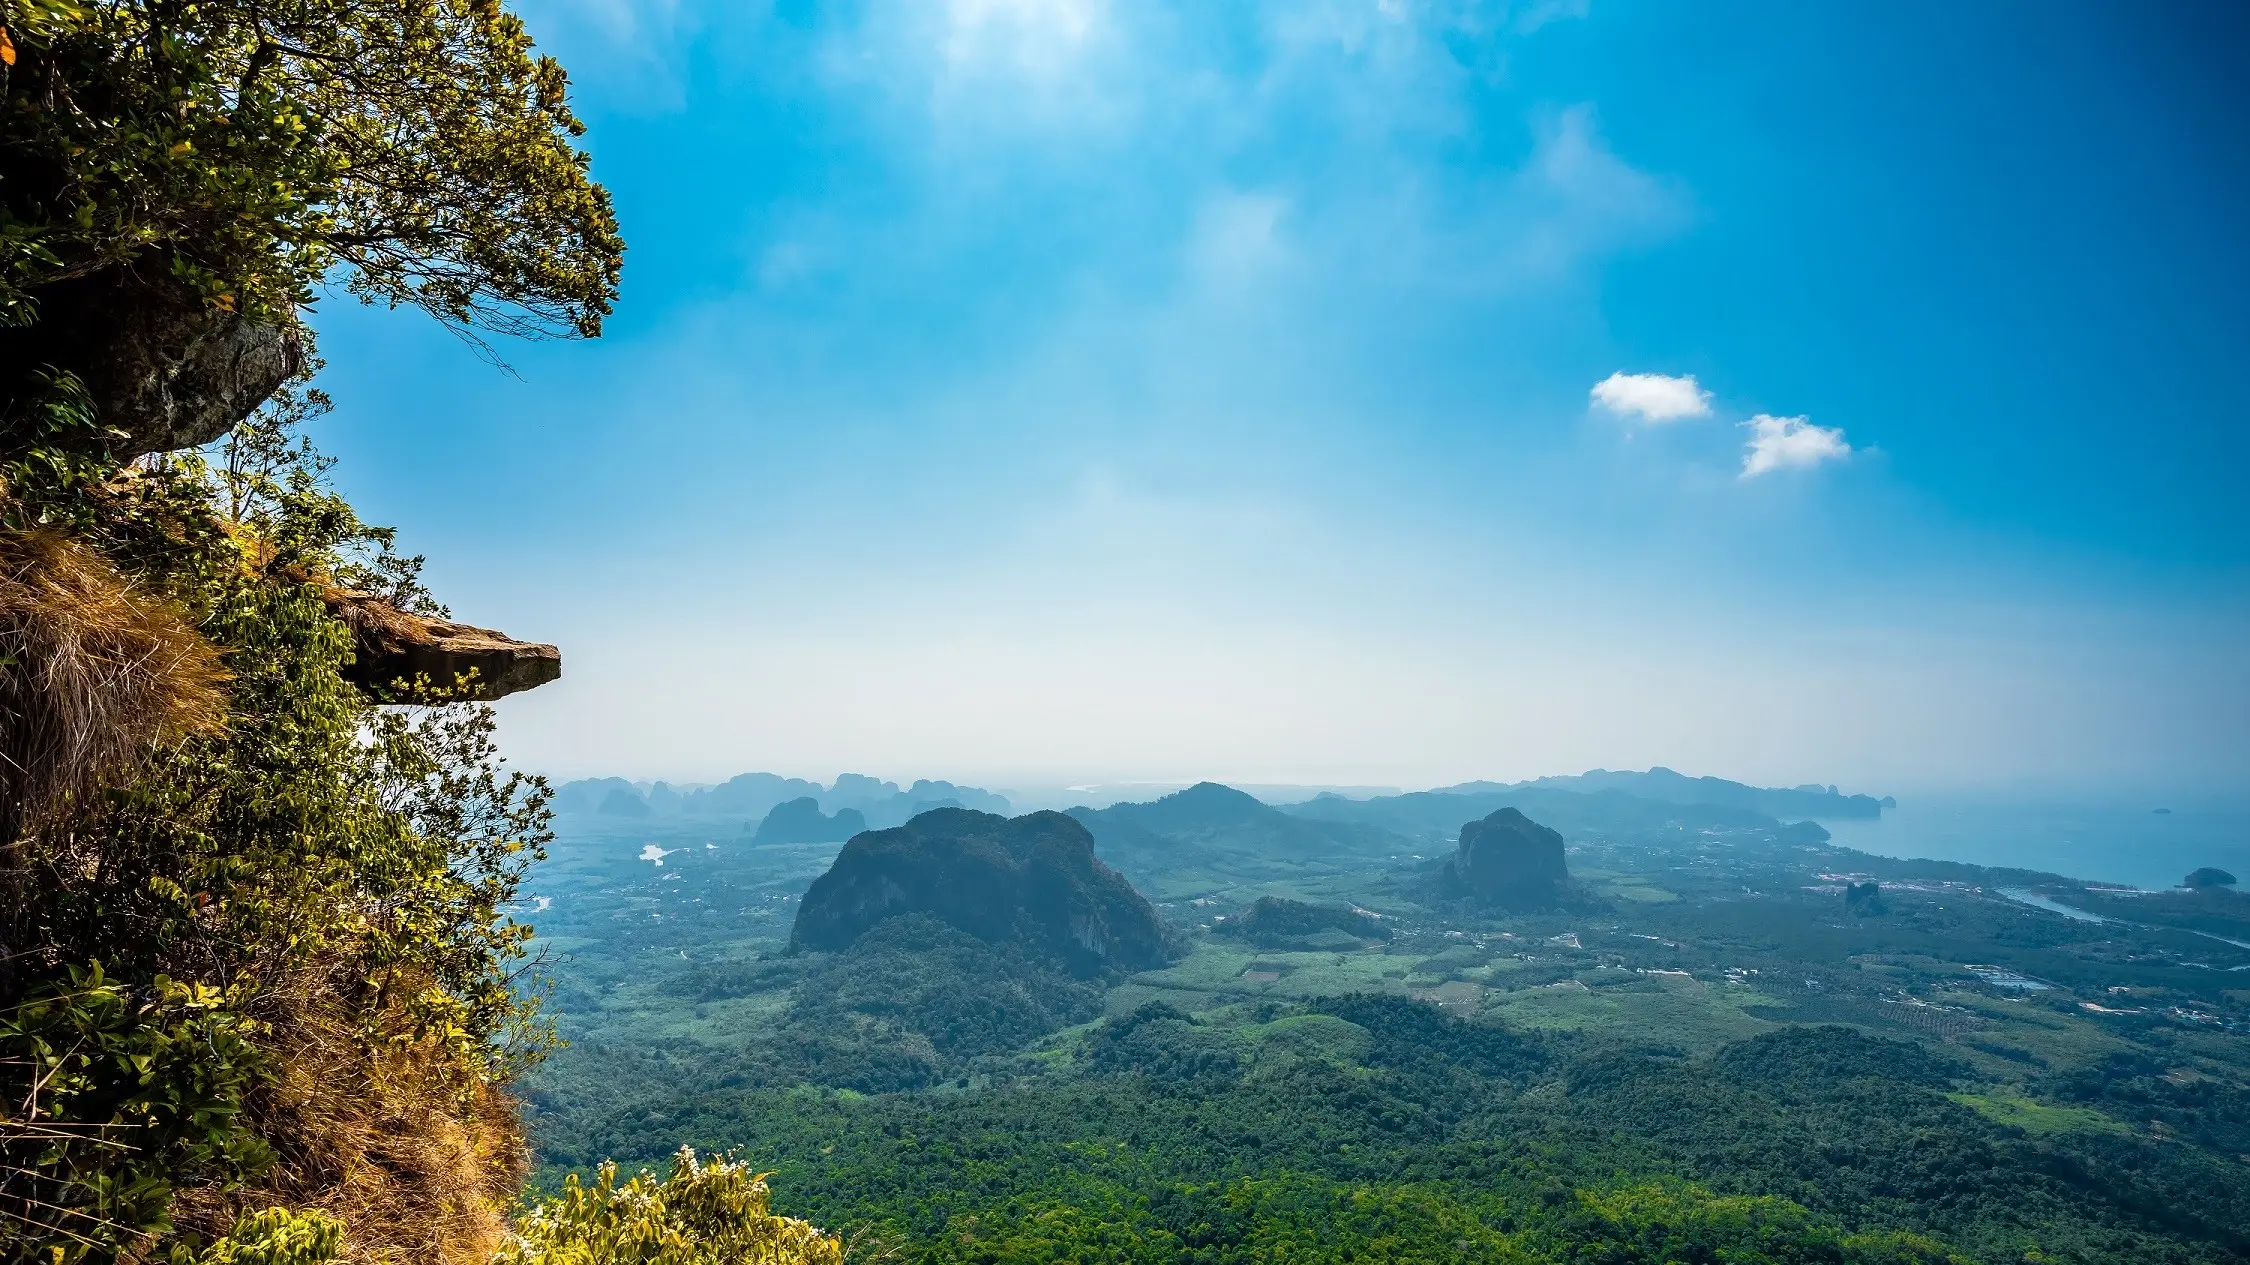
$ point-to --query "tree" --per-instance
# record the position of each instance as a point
(179, 179)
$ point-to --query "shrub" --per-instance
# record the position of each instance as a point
(703, 1213)
(277, 1236)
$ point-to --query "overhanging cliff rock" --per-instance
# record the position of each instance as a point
(393, 650)
(164, 367)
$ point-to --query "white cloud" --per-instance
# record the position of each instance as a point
(1040, 38)
(1652, 397)
(1779, 443)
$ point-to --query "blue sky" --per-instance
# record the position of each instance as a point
(1026, 390)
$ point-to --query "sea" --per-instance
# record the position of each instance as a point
(2127, 843)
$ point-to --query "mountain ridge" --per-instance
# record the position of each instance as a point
(1209, 814)
(749, 797)
(1438, 815)
(1667, 786)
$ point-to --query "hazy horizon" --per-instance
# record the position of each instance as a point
(1052, 791)
(2114, 835)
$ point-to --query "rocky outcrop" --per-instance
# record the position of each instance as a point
(1506, 860)
(1031, 881)
(801, 821)
(392, 649)
(164, 365)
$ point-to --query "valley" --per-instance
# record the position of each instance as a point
(1713, 1005)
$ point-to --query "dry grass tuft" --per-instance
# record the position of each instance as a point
(93, 674)
(420, 1160)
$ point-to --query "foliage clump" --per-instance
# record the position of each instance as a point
(710, 1212)
(1158, 1041)
(277, 1236)
(258, 971)
(1308, 1220)
(418, 147)
(285, 934)
(1276, 922)
(914, 1000)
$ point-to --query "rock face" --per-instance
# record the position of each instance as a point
(1031, 881)
(800, 821)
(1508, 860)
(162, 364)
(392, 646)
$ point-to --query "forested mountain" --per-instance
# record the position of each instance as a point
(1276, 922)
(1208, 821)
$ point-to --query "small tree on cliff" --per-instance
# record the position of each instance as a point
(179, 177)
